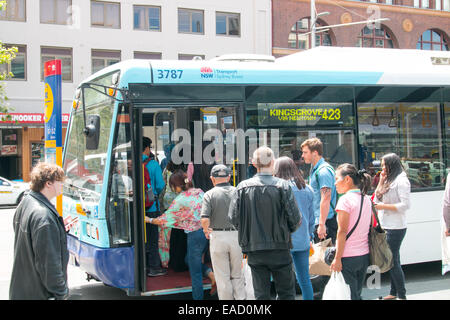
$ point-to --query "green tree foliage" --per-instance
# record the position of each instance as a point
(6, 56)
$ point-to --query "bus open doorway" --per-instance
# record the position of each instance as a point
(199, 128)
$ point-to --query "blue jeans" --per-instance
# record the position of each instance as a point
(301, 264)
(196, 246)
(394, 239)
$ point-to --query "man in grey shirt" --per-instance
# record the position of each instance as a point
(226, 254)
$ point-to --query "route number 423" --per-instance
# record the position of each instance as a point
(169, 74)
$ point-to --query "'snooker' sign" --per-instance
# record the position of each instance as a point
(28, 118)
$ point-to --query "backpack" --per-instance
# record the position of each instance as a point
(150, 196)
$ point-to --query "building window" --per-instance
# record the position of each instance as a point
(228, 24)
(15, 11)
(443, 5)
(299, 39)
(432, 40)
(433, 4)
(104, 58)
(147, 18)
(148, 55)
(18, 66)
(63, 54)
(105, 14)
(55, 11)
(182, 56)
(422, 4)
(374, 38)
(379, 1)
(190, 21)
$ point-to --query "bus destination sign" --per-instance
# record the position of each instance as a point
(305, 114)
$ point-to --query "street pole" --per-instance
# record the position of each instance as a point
(313, 23)
(52, 118)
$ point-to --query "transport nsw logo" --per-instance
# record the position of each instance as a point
(220, 74)
(206, 72)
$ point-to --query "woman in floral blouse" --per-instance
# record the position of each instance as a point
(184, 213)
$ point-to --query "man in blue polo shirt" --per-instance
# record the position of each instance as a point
(321, 179)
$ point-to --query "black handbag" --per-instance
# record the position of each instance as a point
(330, 253)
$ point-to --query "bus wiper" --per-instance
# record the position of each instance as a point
(81, 190)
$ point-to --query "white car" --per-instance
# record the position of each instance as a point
(11, 192)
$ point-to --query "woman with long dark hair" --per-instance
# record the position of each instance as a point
(354, 210)
(184, 213)
(286, 169)
(392, 199)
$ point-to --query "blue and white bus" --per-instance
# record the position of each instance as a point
(361, 102)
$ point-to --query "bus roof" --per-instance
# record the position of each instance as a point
(318, 66)
(398, 66)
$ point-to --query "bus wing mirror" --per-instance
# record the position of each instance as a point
(92, 132)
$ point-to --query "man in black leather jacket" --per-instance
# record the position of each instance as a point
(264, 211)
(40, 243)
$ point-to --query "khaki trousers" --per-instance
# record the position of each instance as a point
(226, 257)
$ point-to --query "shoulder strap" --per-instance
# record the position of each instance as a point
(359, 217)
(375, 214)
(316, 172)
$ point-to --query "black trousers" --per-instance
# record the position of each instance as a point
(153, 260)
(275, 263)
(332, 227)
(354, 271)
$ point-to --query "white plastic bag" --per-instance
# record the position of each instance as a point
(445, 247)
(249, 292)
(336, 288)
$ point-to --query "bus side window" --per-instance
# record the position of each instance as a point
(412, 131)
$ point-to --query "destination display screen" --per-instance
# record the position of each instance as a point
(305, 114)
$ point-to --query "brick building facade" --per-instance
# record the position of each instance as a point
(412, 24)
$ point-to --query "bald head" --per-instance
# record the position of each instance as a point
(263, 158)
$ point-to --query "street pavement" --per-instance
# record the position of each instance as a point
(423, 281)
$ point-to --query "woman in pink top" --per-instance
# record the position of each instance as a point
(352, 252)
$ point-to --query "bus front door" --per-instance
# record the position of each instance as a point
(161, 125)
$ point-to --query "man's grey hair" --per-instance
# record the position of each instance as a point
(262, 157)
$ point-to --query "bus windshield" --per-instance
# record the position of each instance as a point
(85, 169)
